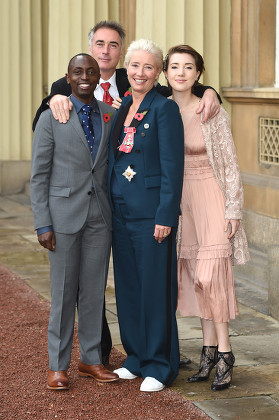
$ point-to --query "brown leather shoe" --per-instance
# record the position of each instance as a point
(57, 380)
(98, 372)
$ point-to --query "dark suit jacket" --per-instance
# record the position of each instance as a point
(63, 88)
(157, 157)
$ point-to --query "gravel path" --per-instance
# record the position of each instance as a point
(23, 361)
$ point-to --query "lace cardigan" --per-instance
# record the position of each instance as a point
(222, 158)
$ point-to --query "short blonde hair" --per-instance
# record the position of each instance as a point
(145, 45)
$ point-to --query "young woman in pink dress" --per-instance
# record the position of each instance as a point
(211, 236)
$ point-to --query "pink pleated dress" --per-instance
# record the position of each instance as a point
(205, 277)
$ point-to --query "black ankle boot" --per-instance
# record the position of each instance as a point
(224, 369)
(207, 363)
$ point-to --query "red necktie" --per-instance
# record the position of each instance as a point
(107, 98)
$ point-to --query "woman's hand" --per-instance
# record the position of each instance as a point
(116, 103)
(60, 106)
(161, 232)
(234, 226)
(210, 103)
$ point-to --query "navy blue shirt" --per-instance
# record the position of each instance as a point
(97, 126)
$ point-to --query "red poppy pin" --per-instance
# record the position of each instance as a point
(106, 117)
(139, 115)
(128, 92)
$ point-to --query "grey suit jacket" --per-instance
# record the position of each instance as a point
(62, 172)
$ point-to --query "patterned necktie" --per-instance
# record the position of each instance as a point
(87, 126)
(107, 98)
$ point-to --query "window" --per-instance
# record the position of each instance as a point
(269, 141)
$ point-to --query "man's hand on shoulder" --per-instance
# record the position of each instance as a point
(210, 103)
(60, 106)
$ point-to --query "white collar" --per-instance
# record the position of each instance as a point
(112, 80)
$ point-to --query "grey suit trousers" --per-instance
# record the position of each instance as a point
(78, 274)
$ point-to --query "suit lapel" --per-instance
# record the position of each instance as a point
(122, 113)
(122, 81)
(117, 129)
(144, 107)
(74, 121)
(105, 126)
(147, 100)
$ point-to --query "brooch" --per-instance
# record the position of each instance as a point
(129, 173)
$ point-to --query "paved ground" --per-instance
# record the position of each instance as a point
(254, 393)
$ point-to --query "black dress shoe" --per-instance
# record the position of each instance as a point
(105, 360)
(183, 362)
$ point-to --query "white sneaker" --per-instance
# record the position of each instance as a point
(151, 384)
(124, 373)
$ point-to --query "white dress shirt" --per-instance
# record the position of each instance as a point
(99, 91)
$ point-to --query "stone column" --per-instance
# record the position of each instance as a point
(21, 88)
(273, 284)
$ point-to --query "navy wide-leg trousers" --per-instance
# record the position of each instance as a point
(146, 293)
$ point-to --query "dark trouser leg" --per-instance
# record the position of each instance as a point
(106, 342)
(146, 291)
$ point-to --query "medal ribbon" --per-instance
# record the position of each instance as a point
(128, 141)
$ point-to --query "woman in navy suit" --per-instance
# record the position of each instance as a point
(145, 182)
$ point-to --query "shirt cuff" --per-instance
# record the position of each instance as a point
(44, 230)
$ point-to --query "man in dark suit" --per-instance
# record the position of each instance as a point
(72, 217)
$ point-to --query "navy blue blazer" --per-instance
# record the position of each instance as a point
(157, 158)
